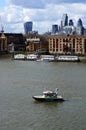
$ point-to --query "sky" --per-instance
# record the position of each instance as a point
(43, 13)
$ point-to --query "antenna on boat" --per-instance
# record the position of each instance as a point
(56, 90)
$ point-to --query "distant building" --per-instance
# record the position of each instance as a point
(79, 28)
(28, 27)
(69, 30)
(67, 27)
(54, 29)
(71, 22)
(79, 23)
(64, 20)
(84, 31)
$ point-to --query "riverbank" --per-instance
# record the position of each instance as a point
(82, 59)
(7, 56)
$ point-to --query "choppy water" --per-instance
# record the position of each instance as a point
(20, 80)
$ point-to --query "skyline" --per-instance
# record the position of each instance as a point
(43, 13)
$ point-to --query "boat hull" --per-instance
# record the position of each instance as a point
(48, 99)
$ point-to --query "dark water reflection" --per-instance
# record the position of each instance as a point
(20, 80)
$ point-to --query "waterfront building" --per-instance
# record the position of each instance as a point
(32, 44)
(3, 43)
(36, 44)
(28, 27)
(17, 39)
(6, 39)
(67, 44)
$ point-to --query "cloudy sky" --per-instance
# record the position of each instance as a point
(43, 13)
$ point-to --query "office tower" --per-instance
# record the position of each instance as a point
(71, 22)
(79, 28)
(28, 27)
(84, 30)
(54, 29)
(79, 23)
(60, 28)
(64, 20)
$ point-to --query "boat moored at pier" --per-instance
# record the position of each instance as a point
(19, 57)
(31, 57)
(47, 58)
(67, 58)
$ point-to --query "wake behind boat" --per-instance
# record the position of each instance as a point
(49, 96)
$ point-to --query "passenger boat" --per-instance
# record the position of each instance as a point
(31, 57)
(67, 58)
(19, 57)
(48, 58)
(49, 96)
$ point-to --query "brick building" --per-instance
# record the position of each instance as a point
(67, 44)
(37, 44)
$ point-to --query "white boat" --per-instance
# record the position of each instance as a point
(31, 57)
(19, 57)
(49, 96)
(47, 58)
(67, 58)
(39, 59)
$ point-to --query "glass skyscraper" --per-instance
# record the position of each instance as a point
(71, 22)
(79, 23)
(79, 28)
(28, 27)
(64, 20)
(54, 29)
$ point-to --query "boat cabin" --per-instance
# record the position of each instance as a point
(49, 93)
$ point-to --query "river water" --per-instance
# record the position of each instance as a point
(20, 80)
